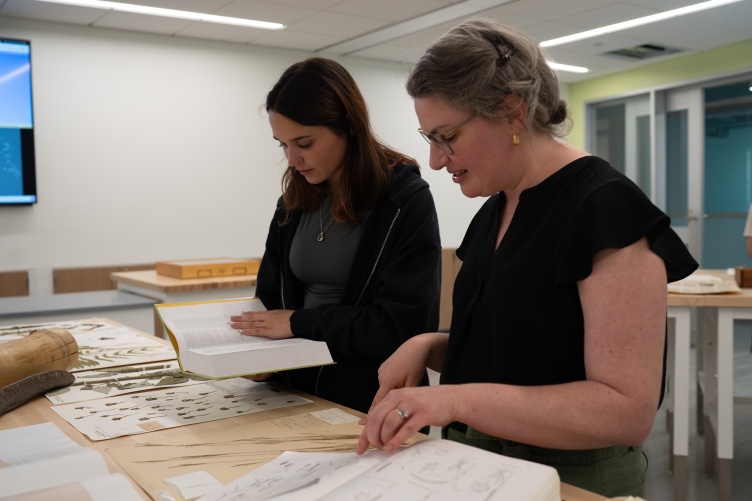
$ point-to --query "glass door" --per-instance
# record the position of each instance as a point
(622, 137)
(690, 150)
(679, 157)
(728, 174)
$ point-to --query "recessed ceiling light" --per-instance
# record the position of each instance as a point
(661, 16)
(179, 14)
(567, 67)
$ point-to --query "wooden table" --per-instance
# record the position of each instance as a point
(39, 411)
(716, 314)
(166, 289)
(715, 382)
(677, 391)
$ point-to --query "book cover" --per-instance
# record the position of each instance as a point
(206, 345)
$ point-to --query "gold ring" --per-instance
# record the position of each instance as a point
(403, 414)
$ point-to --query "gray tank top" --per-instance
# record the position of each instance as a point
(323, 266)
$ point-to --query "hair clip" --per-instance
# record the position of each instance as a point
(504, 57)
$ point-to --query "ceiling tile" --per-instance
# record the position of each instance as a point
(607, 15)
(551, 10)
(51, 12)
(221, 32)
(664, 5)
(386, 52)
(690, 34)
(309, 4)
(316, 24)
(264, 11)
(332, 22)
(140, 22)
(290, 39)
(391, 10)
(736, 15)
(203, 6)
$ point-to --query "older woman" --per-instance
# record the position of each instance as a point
(556, 351)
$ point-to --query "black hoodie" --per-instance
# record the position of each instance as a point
(392, 292)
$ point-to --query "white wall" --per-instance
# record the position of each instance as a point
(151, 147)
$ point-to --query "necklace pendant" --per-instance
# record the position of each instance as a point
(321, 237)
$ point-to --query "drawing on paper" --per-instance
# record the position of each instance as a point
(100, 344)
(431, 470)
(100, 383)
(167, 408)
(14, 332)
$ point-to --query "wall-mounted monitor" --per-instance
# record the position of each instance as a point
(17, 165)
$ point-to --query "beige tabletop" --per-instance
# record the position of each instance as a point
(740, 298)
(39, 411)
(150, 280)
(165, 289)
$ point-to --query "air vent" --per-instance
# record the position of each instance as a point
(644, 51)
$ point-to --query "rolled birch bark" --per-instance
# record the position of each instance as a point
(41, 351)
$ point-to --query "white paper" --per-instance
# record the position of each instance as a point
(296, 476)
(116, 347)
(701, 283)
(42, 457)
(114, 381)
(113, 487)
(154, 410)
(193, 485)
(429, 470)
(335, 416)
(20, 331)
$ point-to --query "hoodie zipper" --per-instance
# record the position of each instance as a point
(378, 256)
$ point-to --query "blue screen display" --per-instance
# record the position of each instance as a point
(17, 160)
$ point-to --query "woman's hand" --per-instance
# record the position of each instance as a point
(274, 324)
(404, 368)
(401, 372)
(403, 412)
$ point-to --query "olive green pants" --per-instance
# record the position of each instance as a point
(611, 471)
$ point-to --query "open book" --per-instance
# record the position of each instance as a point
(41, 462)
(206, 345)
(429, 470)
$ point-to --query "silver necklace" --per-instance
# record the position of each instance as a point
(322, 230)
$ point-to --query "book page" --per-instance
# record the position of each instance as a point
(201, 325)
(430, 470)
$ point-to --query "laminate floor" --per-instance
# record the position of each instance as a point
(701, 486)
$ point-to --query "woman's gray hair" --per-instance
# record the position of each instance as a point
(479, 62)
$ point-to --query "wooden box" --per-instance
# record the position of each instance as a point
(206, 268)
(743, 276)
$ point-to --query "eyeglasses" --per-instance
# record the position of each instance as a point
(442, 141)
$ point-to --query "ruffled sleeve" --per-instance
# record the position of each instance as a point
(615, 216)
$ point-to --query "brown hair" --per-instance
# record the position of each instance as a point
(321, 92)
(479, 62)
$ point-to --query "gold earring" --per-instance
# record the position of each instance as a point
(515, 139)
